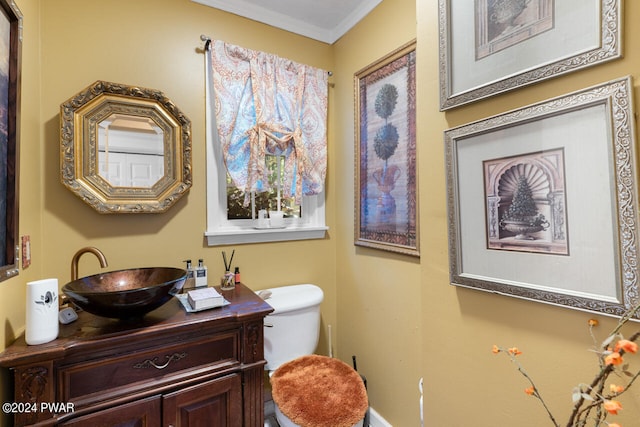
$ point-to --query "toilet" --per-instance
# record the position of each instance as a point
(308, 390)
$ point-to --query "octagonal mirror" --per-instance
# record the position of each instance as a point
(125, 149)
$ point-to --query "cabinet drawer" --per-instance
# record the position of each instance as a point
(97, 380)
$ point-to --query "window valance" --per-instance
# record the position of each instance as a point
(268, 105)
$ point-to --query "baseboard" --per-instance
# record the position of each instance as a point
(376, 420)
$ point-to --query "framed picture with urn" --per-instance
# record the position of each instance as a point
(542, 201)
(488, 47)
(386, 208)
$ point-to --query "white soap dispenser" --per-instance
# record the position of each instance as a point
(201, 274)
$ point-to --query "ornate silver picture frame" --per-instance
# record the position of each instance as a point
(542, 201)
(490, 47)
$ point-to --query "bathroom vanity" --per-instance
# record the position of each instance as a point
(171, 368)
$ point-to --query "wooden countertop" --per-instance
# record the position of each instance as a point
(103, 334)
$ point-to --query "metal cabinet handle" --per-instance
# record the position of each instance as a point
(152, 362)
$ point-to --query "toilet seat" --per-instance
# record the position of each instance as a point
(319, 391)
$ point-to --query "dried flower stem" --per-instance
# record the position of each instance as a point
(600, 381)
(536, 392)
(593, 392)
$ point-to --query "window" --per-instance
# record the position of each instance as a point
(224, 227)
(273, 158)
(265, 201)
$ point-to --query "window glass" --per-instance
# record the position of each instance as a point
(271, 200)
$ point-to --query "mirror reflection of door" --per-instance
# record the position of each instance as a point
(130, 151)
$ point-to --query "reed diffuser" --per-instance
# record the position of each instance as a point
(227, 282)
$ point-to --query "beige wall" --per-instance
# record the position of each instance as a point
(465, 384)
(69, 44)
(12, 291)
(157, 44)
(397, 314)
(379, 307)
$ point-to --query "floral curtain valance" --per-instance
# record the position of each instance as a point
(265, 104)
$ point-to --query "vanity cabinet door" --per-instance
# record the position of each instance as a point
(141, 413)
(215, 403)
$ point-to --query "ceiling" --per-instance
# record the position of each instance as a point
(323, 20)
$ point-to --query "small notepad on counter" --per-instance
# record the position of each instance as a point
(203, 298)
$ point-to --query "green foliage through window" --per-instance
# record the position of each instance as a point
(267, 200)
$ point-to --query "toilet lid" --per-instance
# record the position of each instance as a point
(319, 391)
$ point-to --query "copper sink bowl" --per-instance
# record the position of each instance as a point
(125, 294)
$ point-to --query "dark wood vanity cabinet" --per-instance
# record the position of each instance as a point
(171, 368)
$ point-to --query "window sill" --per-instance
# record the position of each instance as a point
(239, 236)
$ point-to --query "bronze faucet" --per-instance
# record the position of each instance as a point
(76, 258)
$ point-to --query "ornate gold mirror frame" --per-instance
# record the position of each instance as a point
(125, 117)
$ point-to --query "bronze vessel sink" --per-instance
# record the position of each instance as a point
(125, 294)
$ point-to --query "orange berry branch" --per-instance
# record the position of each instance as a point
(590, 401)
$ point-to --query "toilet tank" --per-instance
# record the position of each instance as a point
(293, 328)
